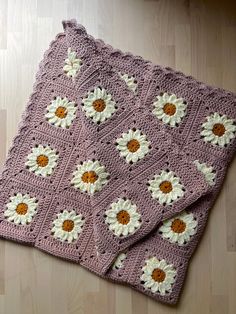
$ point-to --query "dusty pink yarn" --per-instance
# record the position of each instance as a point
(171, 148)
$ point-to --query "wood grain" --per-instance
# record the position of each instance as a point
(197, 37)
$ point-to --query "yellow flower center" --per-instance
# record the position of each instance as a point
(61, 112)
(133, 145)
(22, 209)
(166, 187)
(178, 226)
(99, 105)
(89, 177)
(68, 225)
(218, 129)
(42, 160)
(158, 275)
(169, 109)
(123, 217)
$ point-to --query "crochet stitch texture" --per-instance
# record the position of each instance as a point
(116, 163)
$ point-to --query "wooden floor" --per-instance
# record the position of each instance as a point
(197, 37)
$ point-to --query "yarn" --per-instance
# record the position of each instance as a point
(116, 163)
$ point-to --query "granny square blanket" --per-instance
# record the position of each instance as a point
(116, 163)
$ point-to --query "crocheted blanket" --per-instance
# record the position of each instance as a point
(116, 163)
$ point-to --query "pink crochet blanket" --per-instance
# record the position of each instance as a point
(116, 163)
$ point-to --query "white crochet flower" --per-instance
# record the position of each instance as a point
(72, 64)
(42, 160)
(130, 81)
(98, 105)
(218, 129)
(207, 171)
(179, 229)
(166, 187)
(123, 218)
(67, 226)
(133, 145)
(21, 209)
(90, 176)
(158, 276)
(61, 112)
(119, 261)
(169, 109)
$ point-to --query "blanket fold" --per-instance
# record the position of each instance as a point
(116, 163)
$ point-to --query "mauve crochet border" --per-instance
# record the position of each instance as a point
(45, 72)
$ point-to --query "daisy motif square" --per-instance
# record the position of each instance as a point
(179, 229)
(181, 233)
(123, 217)
(166, 187)
(214, 131)
(58, 112)
(83, 177)
(156, 272)
(22, 211)
(66, 228)
(171, 102)
(98, 105)
(169, 109)
(61, 112)
(133, 145)
(40, 159)
(90, 176)
(159, 273)
(218, 130)
(103, 103)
